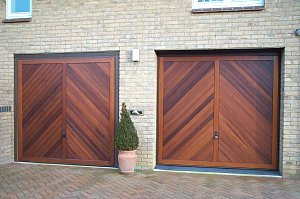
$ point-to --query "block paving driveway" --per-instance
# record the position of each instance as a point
(48, 181)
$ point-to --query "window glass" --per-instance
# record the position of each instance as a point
(199, 4)
(20, 6)
(18, 9)
(210, 0)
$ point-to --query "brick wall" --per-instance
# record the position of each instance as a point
(6, 138)
(105, 25)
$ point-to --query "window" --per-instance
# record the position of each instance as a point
(18, 9)
(203, 4)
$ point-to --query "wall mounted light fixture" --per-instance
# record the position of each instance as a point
(297, 32)
(135, 55)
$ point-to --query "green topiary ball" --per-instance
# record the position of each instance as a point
(126, 135)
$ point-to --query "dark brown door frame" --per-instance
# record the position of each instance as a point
(217, 53)
(108, 54)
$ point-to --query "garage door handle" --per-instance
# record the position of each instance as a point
(216, 135)
(63, 133)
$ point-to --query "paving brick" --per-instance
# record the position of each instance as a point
(48, 181)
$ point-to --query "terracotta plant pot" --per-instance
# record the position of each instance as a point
(127, 161)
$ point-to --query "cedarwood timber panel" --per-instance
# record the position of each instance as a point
(245, 112)
(83, 104)
(41, 110)
(216, 108)
(186, 111)
(88, 111)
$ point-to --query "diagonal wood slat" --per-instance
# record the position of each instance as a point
(42, 110)
(67, 110)
(188, 94)
(218, 111)
(88, 111)
(246, 111)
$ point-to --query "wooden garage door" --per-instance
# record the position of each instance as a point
(66, 111)
(218, 111)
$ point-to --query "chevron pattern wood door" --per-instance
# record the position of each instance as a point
(66, 111)
(246, 112)
(218, 111)
(89, 112)
(41, 119)
(186, 111)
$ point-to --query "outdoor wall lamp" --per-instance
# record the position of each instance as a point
(135, 55)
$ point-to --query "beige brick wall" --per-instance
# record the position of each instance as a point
(6, 138)
(105, 25)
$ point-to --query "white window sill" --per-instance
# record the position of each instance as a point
(229, 9)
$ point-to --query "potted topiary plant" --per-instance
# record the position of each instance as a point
(127, 141)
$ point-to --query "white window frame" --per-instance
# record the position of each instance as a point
(17, 15)
(226, 4)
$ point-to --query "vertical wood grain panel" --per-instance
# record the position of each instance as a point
(275, 113)
(216, 108)
(160, 109)
(64, 111)
(20, 113)
(112, 81)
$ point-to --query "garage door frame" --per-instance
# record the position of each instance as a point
(17, 57)
(218, 53)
